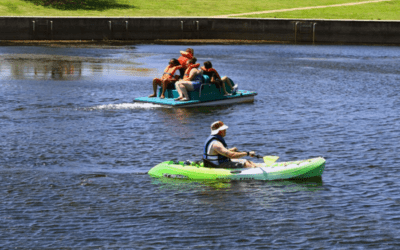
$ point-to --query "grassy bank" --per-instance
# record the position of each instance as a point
(131, 8)
(371, 11)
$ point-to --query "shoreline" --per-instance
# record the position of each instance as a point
(163, 42)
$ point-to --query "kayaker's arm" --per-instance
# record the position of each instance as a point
(220, 149)
(234, 149)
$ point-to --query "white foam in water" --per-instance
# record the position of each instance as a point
(126, 106)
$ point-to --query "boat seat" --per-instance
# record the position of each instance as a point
(209, 164)
(209, 85)
(207, 91)
(206, 82)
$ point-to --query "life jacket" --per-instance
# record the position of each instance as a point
(184, 58)
(187, 71)
(220, 158)
(169, 71)
(210, 71)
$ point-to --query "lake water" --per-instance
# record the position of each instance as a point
(75, 149)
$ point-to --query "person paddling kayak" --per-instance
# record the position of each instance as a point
(215, 150)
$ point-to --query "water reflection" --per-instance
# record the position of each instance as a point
(57, 67)
(293, 185)
(183, 185)
(54, 70)
(183, 115)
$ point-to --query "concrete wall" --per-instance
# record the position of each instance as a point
(279, 30)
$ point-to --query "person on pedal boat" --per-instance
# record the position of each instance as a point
(168, 79)
(191, 81)
(184, 58)
(216, 79)
(216, 151)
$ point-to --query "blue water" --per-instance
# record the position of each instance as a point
(75, 149)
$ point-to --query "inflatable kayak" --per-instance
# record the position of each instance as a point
(277, 171)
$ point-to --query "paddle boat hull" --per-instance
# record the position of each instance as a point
(208, 95)
(277, 171)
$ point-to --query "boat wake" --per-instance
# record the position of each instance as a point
(124, 106)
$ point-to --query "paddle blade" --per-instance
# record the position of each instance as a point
(269, 159)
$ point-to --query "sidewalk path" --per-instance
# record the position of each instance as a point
(302, 8)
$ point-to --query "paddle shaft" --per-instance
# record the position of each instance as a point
(268, 159)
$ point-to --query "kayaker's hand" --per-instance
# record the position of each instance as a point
(234, 149)
(252, 153)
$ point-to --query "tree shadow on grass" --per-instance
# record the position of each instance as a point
(95, 5)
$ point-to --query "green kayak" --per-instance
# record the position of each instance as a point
(277, 171)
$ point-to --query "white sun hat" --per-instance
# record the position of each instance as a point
(217, 126)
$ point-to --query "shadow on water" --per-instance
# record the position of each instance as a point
(292, 185)
(189, 185)
(183, 114)
(96, 5)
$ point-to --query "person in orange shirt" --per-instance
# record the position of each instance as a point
(216, 79)
(184, 58)
(168, 79)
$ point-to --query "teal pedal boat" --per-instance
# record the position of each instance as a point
(209, 95)
(277, 171)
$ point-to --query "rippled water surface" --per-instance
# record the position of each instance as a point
(75, 149)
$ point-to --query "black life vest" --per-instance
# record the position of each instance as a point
(219, 158)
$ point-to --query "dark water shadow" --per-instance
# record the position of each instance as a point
(96, 5)
(306, 184)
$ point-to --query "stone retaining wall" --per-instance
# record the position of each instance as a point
(276, 30)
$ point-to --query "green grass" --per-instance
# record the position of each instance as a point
(370, 11)
(157, 8)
